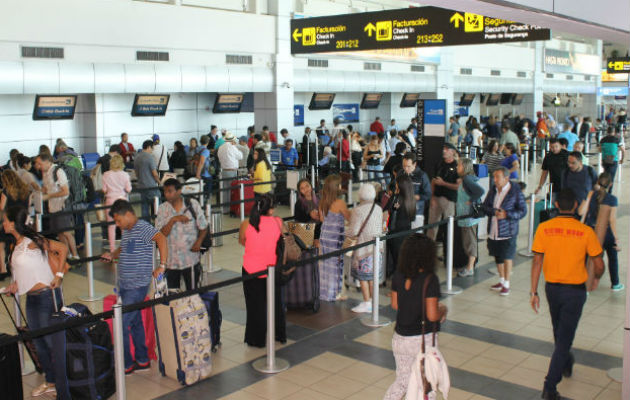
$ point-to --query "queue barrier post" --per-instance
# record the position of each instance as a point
(270, 364)
(200, 190)
(350, 200)
(119, 354)
(530, 238)
(526, 161)
(242, 198)
(522, 166)
(313, 176)
(360, 173)
(90, 296)
(156, 205)
(292, 201)
(375, 320)
(38, 222)
(211, 229)
(448, 288)
(535, 153)
(600, 167)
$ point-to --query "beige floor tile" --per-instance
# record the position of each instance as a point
(273, 388)
(338, 387)
(533, 379)
(364, 372)
(308, 394)
(458, 394)
(613, 349)
(536, 362)
(486, 366)
(304, 374)
(378, 339)
(330, 362)
(591, 376)
(139, 387)
(386, 381)
(578, 390)
(454, 357)
(609, 394)
(480, 397)
(241, 395)
(466, 345)
(505, 354)
(369, 393)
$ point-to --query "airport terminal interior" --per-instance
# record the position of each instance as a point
(77, 74)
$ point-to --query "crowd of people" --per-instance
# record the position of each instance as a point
(399, 199)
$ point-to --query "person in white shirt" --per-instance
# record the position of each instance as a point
(242, 147)
(161, 155)
(284, 135)
(229, 155)
(393, 126)
(56, 190)
(24, 172)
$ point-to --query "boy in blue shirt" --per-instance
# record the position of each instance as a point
(288, 155)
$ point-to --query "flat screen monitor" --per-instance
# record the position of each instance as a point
(371, 100)
(54, 107)
(482, 98)
(493, 99)
(517, 99)
(409, 100)
(321, 101)
(506, 98)
(466, 99)
(228, 103)
(150, 105)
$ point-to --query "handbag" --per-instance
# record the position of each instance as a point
(287, 249)
(476, 210)
(303, 231)
(351, 241)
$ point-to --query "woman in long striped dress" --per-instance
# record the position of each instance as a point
(332, 212)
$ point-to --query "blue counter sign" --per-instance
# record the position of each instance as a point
(346, 112)
(54, 107)
(298, 115)
(150, 105)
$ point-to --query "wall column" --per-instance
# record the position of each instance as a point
(445, 82)
(539, 77)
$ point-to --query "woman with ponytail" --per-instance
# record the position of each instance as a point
(260, 236)
(38, 265)
(599, 211)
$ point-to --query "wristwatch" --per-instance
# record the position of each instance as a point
(532, 294)
(59, 274)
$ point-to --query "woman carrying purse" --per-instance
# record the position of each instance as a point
(38, 266)
(419, 253)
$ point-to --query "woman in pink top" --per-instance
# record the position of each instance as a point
(260, 235)
(116, 185)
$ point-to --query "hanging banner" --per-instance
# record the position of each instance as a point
(431, 131)
(618, 65)
(405, 28)
(570, 62)
(54, 107)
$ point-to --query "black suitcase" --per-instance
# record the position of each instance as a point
(211, 300)
(84, 358)
(303, 290)
(11, 376)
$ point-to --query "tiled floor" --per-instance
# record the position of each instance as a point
(496, 347)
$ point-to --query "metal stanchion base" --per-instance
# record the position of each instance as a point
(526, 253)
(382, 321)
(260, 365)
(96, 297)
(454, 290)
(493, 271)
(616, 374)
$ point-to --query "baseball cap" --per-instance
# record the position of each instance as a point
(155, 137)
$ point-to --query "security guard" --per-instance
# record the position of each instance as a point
(560, 246)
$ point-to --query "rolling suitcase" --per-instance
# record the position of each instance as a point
(83, 358)
(11, 377)
(183, 339)
(235, 209)
(303, 290)
(147, 321)
(543, 210)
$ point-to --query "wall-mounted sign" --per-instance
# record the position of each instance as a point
(409, 100)
(616, 77)
(298, 115)
(228, 103)
(569, 62)
(150, 105)
(371, 100)
(321, 101)
(54, 107)
(612, 91)
(618, 65)
(408, 27)
(434, 118)
(346, 112)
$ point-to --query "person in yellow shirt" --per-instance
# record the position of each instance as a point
(560, 248)
(262, 172)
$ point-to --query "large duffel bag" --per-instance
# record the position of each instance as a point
(303, 290)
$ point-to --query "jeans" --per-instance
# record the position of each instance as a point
(612, 170)
(376, 172)
(132, 323)
(611, 253)
(207, 188)
(174, 277)
(565, 306)
(147, 197)
(39, 308)
(225, 185)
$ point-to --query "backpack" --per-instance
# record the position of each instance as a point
(76, 184)
(90, 192)
(206, 244)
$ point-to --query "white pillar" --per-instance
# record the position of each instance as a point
(444, 78)
(539, 77)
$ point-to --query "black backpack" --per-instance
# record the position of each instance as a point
(90, 193)
(206, 243)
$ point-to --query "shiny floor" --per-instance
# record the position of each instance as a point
(496, 347)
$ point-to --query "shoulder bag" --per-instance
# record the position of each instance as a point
(351, 241)
(305, 232)
(287, 250)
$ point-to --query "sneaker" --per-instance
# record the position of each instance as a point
(140, 367)
(43, 389)
(130, 369)
(504, 291)
(498, 287)
(618, 287)
(363, 307)
(466, 272)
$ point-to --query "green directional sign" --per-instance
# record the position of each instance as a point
(408, 27)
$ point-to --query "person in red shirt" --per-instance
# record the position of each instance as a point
(377, 126)
(272, 136)
(345, 151)
(126, 149)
